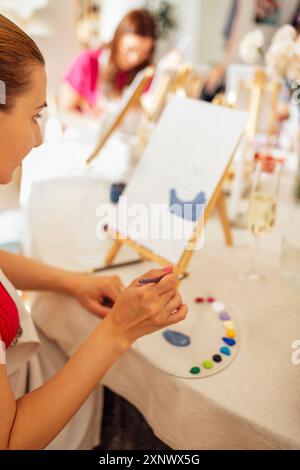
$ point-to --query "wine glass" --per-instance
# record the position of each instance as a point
(261, 215)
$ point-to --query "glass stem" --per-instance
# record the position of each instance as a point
(254, 260)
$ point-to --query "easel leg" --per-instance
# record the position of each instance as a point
(221, 204)
(113, 252)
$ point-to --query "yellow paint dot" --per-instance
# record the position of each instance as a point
(231, 334)
(229, 325)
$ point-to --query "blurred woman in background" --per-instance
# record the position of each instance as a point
(99, 75)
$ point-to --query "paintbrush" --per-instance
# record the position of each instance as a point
(156, 280)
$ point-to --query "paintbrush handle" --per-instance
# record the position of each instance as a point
(154, 280)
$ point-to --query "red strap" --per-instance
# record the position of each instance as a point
(9, 317)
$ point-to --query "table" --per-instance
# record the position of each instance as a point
(254, 403)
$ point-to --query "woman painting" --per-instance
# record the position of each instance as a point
(32, 417)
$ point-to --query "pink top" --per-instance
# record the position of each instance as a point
(84, 74)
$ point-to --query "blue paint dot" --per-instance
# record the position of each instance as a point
(226, 351)
(229, 341)
(116, 191)
(176, 339)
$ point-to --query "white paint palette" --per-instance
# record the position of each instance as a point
(207, 325)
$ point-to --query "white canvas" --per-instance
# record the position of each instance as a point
(189, 151)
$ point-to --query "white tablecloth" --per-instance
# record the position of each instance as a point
(254, 403)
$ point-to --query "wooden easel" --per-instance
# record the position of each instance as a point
(186, 81)
(132, 101)
(159, 101)
(259, 88)
(217, 201)
(159, 98)
(220, 201)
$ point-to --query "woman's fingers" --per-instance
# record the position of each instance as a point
(152, 274)
(165, 281)
(119, 284)
(116, 282)
(178, 316)
(169, 282)
(98, 310)
(167, 296)
(112, 288)
(111, 291)
(174, 304)
(143, 309)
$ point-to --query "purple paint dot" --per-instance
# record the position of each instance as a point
(224, 316)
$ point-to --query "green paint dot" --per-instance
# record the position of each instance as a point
(195, 370)
(208, 364)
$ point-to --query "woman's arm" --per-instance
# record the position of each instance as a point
(70, 100)
(74, 110)
(27, 274)
(34, 420)
(88, 290)
(7, 408)
(72, 105)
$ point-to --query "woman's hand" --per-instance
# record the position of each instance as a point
(141, 310)
(91, 292)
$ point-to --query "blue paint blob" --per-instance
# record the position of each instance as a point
(188, 210)
(116, 191)
(229, 341)
(176, 339)
(226, 351)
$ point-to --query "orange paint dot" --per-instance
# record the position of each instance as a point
(231, 334)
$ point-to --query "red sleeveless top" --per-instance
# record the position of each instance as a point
(9, 318)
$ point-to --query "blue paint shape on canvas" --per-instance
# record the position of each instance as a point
(188, 210)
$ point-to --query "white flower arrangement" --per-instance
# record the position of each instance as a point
(285, 33)
(283, 56)
(251, 48)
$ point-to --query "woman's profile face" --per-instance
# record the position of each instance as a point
(133, 51)
(19, 128)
